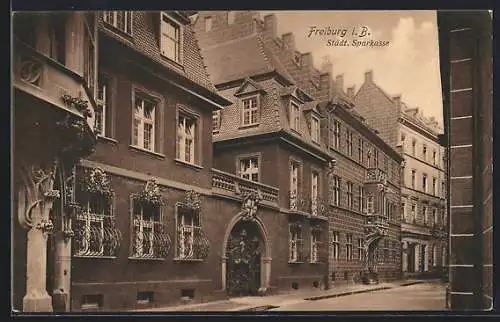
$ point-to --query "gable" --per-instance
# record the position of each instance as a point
(249, 87)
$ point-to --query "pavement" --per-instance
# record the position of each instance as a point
(283, 300)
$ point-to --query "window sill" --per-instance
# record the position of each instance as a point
(187, 260)
(106, 139)
(94, 257)
(146, 258)
(151, 153)
(315, 263)
(191, 165)
(247, 126)
(295, 262)
(170, 61)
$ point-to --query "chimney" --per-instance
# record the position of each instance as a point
(339, 80)
(307, 60)
(369, 76)
(351, 90)
(288, 41)
(397, 100)
(327, 66)
(271, 25)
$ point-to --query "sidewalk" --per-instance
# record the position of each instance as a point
(255, 303)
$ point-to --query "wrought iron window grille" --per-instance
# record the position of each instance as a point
(192, 243)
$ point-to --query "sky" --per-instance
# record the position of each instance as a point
(408, 65)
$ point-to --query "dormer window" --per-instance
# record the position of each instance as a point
(170, 38)
(121, 20)
(315, 129)
(295, 116)
(250, 110)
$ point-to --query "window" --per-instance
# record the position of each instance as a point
(121, 20)
(413, 147)
(216, 121)
(89, 52)
(349, 142)
(170, 41)
(369, 158)
(424, 182)
(403, 212)
(335, 245)
(147, 227)
(315, 246)
(350, 198)
(434, 184)
(250, 110)
(336, 134)
(315, 129)
(361, 198)
(434, 157)
(189, 233)
(360, 249)
(231, 15)
(208, 24)
(295, 243)
(413, 178)
(143, 135)
(375, 157)
(57, 29)
(90, 225)
(295, 116)
(413, 213)
(434, 255)
(348, 244)
(294, 182)
(336, 191)
(369, 205)
(426, 215)
(249, 168)
(424, 152)
(314, 192)
(361, 150)
(186, 138)
(435, 218)
(103, 110)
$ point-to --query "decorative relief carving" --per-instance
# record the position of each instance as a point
(249, 206)
(30, 70)
(191, 201)
(151, 193)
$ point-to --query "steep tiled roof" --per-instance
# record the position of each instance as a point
(240, 58)
(145, 39)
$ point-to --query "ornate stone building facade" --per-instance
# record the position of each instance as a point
(289, 127)
(423, 200)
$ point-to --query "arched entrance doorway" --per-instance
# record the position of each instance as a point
(244, 252)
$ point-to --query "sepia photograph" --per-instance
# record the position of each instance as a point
(251, 161)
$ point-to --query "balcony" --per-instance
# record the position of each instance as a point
(230, 185)
(304, 204)
(48, 80)
(376, 226)
(375, 175)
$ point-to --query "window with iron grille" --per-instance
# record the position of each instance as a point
(250, 111)
(336, 190)
(147, 226)
(335, 240)
(296, 243)
(187, 138)
(350, 195)
(191, 243)
(349, 253)
(144, 128)
(121, 20)
(170, 38)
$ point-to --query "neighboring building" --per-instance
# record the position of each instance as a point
(466, 56)
(287, 128)
(423, 200)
